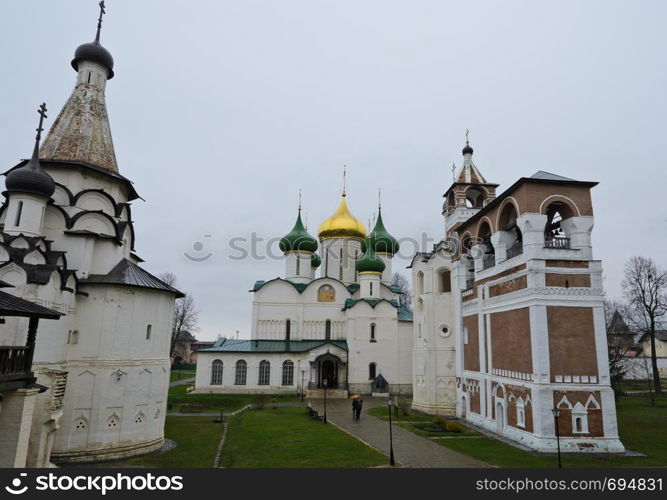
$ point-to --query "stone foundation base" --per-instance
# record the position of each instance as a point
(448, 411)
(105, 453)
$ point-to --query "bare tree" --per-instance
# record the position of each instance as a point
(186, 315)
(401, 282)
(620, 339)
(645, 287)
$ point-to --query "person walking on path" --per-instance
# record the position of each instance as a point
(360, 403)
(355, 405)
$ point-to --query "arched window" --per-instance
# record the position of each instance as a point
(420, 283)
(520, 413)
(288, 373)
(298, 264)
(241, 374)
(371, 284)
(216, 372)
(484, 238)
(507, 223)
(288, 328)
(264, 373)
(327, 330)
(579, 419)
(474, 198)
(373, 333)
(554, 234)
(444, 281)
(372, 371)
(340, 265)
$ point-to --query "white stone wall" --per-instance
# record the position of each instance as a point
(434, 374)
(205, 361)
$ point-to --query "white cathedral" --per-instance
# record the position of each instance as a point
(344, 329)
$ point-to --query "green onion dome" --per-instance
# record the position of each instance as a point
(381, 240)
(370, 263)
(315, 261)
(298, 239)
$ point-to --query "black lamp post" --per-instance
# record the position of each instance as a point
(324, 382)
(303, 375)
(556, 411)
(391, 437)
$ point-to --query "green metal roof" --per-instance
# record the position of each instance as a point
(350, 303)
(298, 239)
(404, 314)
(232, 345)
(380, 239)
(370, 262)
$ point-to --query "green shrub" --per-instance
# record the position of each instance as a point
(259, 400)
(454, 427)
(441, 422)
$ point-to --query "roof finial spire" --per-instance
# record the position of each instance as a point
(379, 198)
(344, 181)
(99, 20)
(467, 150)
(42, 115)
(299, 200)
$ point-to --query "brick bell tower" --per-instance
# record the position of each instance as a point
(529, 306)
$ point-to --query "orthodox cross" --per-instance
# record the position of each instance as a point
(467, 141)
(99, 20)
(344, 180)
(454, 171)
(299, 200)
(379, 198)
(42, 114)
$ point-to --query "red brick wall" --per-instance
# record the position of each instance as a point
(510, 340)
(571, 341)
(568, 280)
(508, 286)
(471, 349)
(595, 418)
(519, 392)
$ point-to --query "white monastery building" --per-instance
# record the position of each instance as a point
(67, 244)
(344, 328)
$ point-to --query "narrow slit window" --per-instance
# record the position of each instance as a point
(149, 331)
(19, 210)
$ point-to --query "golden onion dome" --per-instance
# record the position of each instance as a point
(342, 224)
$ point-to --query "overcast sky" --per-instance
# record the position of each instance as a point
(222, 110)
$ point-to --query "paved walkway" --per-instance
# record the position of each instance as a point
(409, 448)
(183, 381)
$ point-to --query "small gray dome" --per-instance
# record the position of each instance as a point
(93, 52)
(30, 178)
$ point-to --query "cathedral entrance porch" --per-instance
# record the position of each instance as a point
(327, 371)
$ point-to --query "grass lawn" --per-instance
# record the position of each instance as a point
(288, 437)
(177, 375)
(382, 412)
(639, 385)
(214, 402)
(642, 428)
(197, 441)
